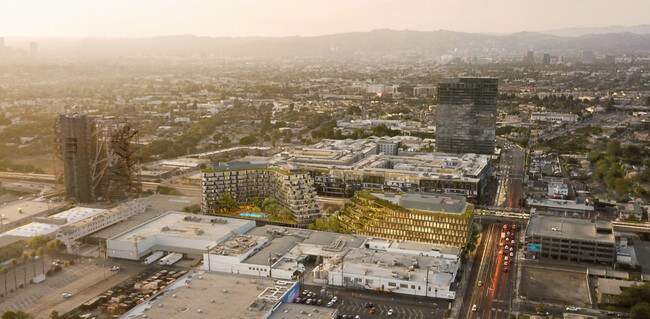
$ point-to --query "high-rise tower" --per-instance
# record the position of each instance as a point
(466, 119)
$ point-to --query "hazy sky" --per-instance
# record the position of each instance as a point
(137, 18)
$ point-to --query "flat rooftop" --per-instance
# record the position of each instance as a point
(28, 208)
(571, 228)
(160, 204)
(293, 242)
(185, 226)
(428, 202)
(298, 311)
(43, 227)
(560, 204)
(200, 294)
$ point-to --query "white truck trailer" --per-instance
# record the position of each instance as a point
(171, 259)
(153, 257)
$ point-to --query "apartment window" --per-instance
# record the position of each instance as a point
(392, 284)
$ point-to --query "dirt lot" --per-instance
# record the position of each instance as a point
(554, 286)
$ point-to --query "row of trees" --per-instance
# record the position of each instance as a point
(38, 246)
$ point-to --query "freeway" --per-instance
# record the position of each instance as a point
(491, 285)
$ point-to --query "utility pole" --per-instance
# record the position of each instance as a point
(426, 286)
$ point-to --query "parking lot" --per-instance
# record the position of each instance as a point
(353, 302)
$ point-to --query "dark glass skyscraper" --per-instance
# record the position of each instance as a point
(466, 116)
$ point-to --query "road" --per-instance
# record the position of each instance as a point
(493, 297)
(511, 177)
(351, 302)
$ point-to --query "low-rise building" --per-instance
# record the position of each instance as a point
(609, 291)
(570, 239)
(561, 207)
(554, 117)
(424, 217)
(69, 234)
(175, 232)
(200, 294)
(236, 247)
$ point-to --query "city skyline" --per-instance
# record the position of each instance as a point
(73, 18)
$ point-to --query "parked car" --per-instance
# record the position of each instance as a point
(390, 312)
(66, 295)
(114, 268)
(335, 299)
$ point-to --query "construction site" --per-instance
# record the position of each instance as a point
(95, 158)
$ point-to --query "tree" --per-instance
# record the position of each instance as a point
(247, 140)
(640, 311)
(15, 315)
(14, 265)
(54, 314)
(4, 272)
(285, 214)
(540, 307)
(226, 202)
(32, 256)
(40, 252)
(25, 258)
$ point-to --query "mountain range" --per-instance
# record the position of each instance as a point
(376, 43)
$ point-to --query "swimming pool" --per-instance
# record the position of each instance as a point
(255, 215)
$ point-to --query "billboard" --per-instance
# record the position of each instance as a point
(535, 247)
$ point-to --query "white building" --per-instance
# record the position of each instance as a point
(554, 117)
(175, 232)
(69, 233)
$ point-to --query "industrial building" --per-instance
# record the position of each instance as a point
(236, 246)
(200, 294)
(422, 217)
(97, 158)
(571, 239)
(466, 115)
(48, 226)
(175, 232)
(340, 168)
(289, 184)
(70, 233)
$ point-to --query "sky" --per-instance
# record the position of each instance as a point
(279, 18)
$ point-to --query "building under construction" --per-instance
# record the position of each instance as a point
(97, 157)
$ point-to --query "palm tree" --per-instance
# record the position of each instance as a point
(40, 252)
(14, 264)
(4, 272)
(25, 258)
(32, 256)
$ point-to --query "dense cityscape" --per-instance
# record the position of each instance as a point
(382, 174)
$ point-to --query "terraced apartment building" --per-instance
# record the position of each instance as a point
(423, 217)
(289, 184)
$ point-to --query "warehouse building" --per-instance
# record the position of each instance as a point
(229, 297)
(422, 217)
(175, 232)
(236, 246)
(571, 239)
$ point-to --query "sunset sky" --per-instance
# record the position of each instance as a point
(139, 18)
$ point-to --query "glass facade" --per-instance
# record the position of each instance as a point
(466, 115)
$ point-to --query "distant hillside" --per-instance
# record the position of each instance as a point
(576, 32)
(374, 44)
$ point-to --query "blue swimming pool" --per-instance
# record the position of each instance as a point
(255, 215)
